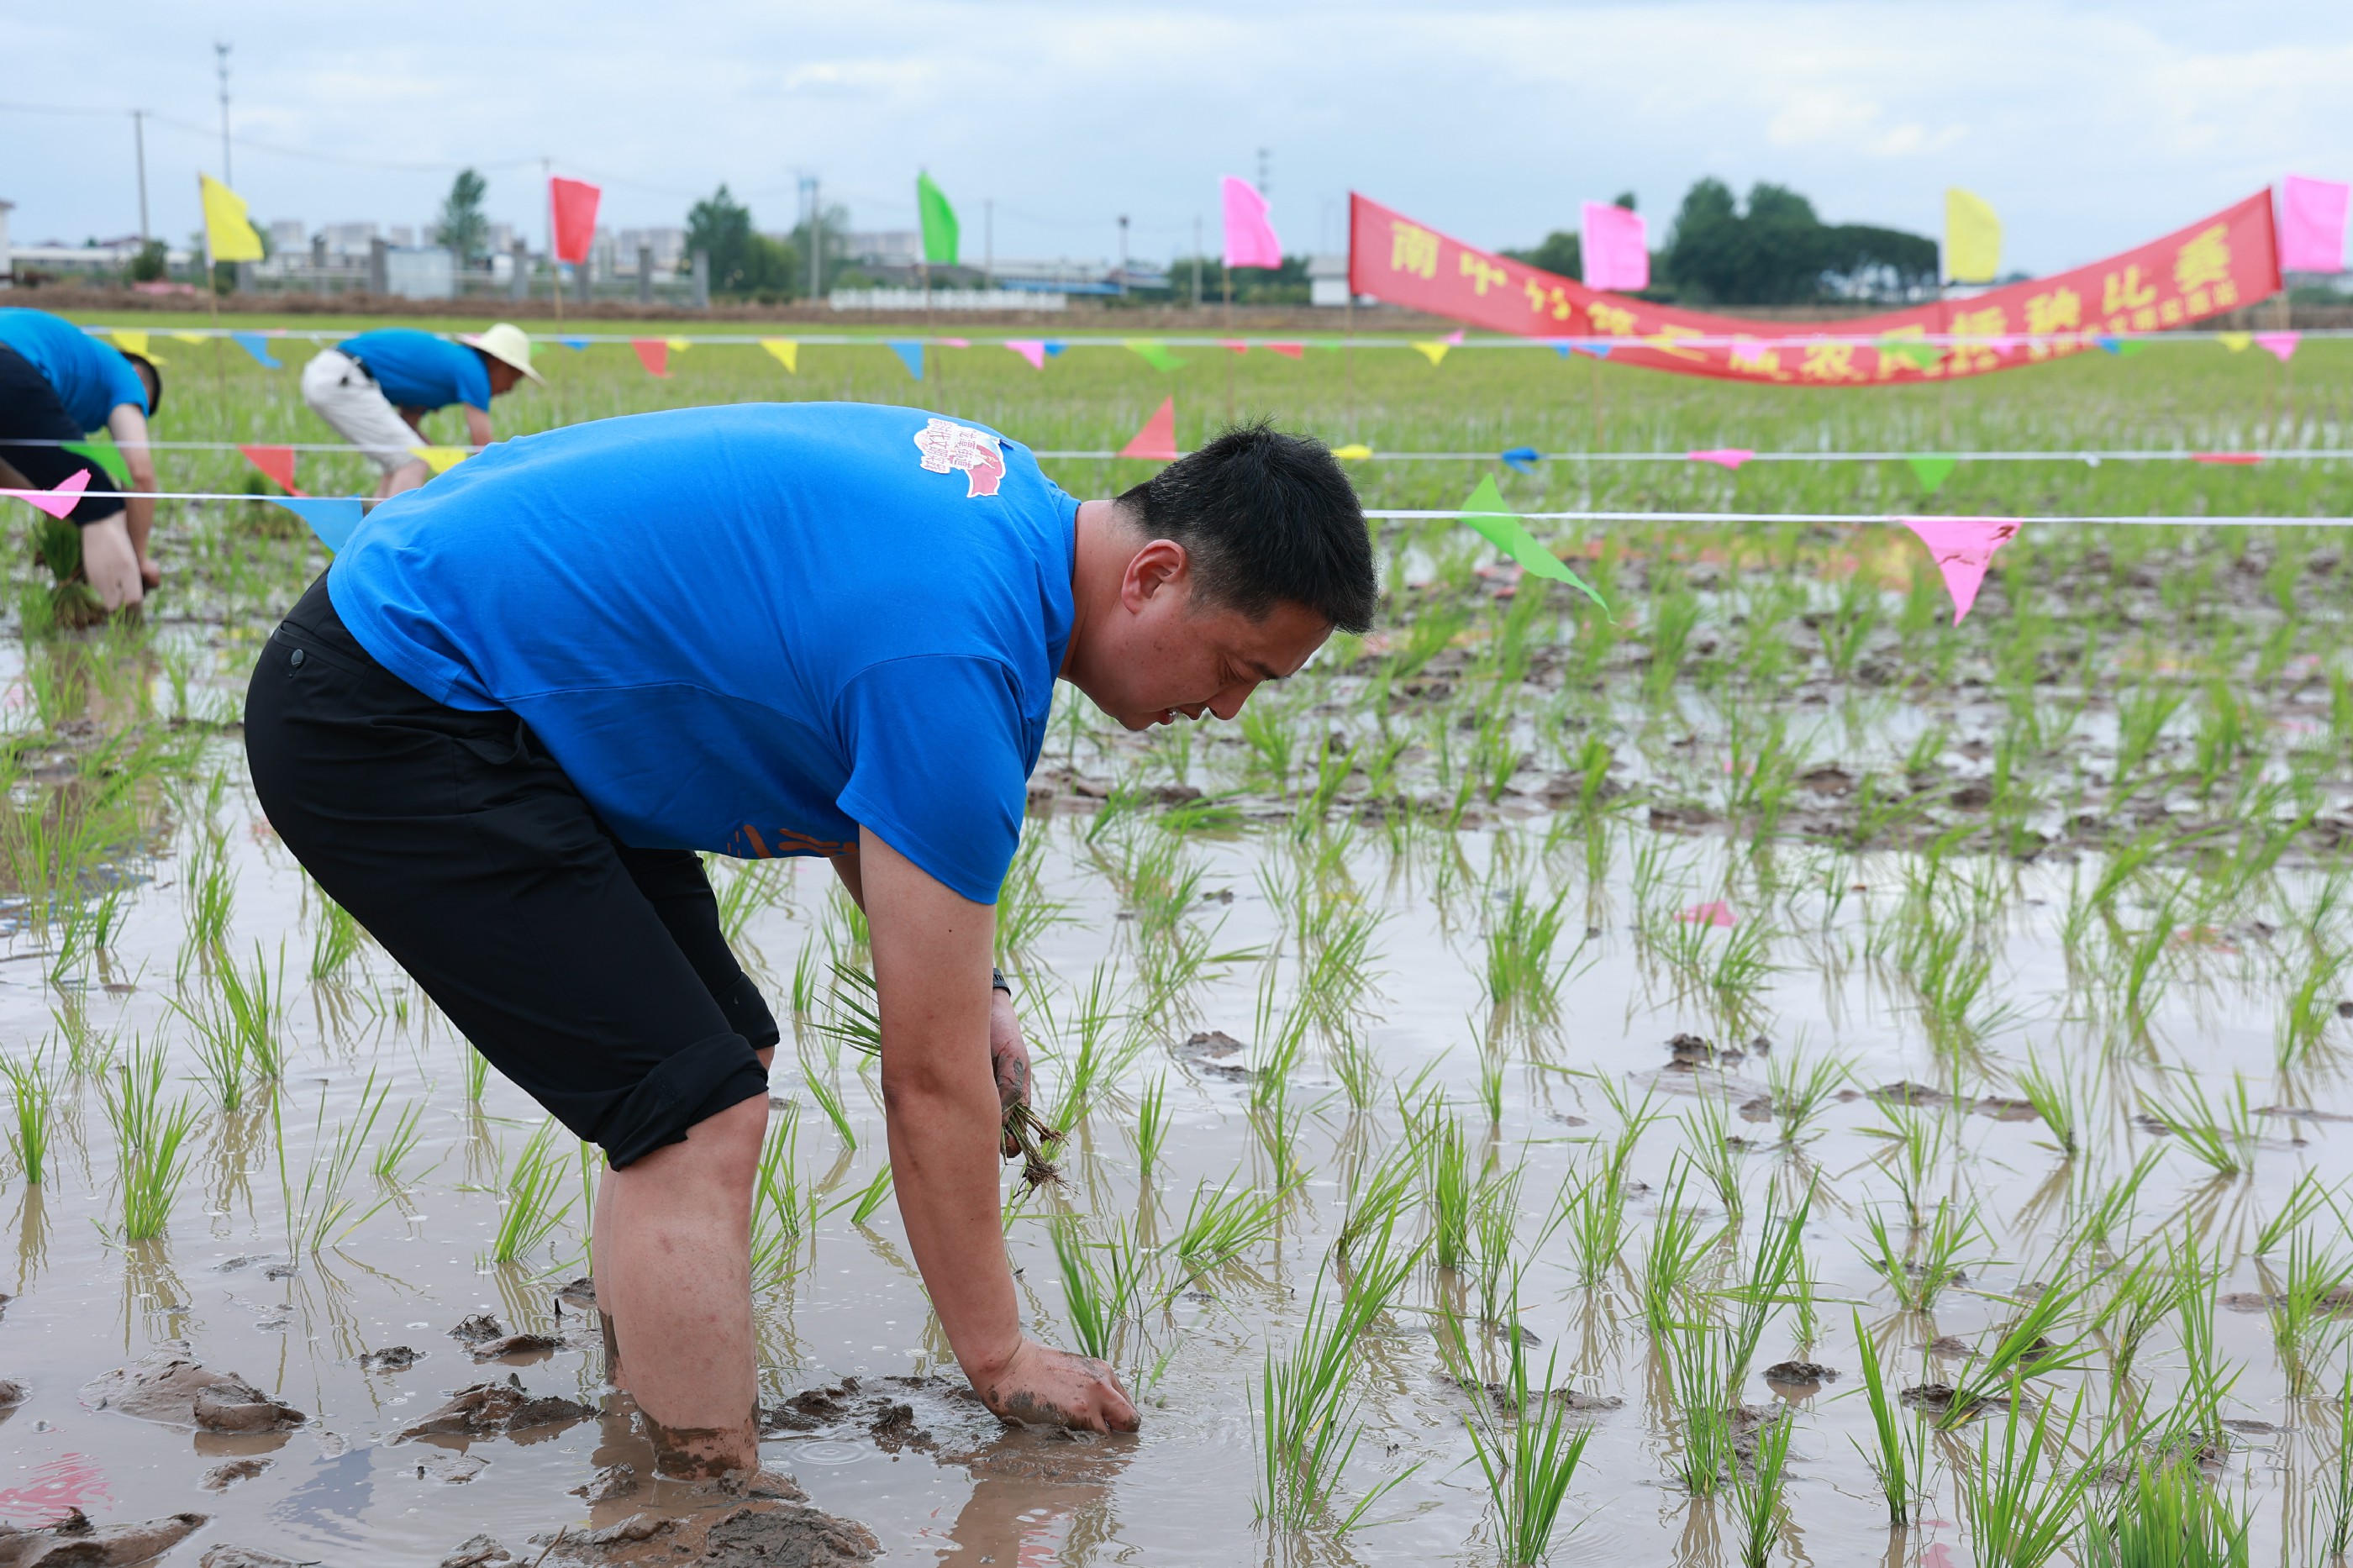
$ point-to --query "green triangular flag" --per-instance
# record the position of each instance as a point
(1154, 352)
(1919, 355)
(940, 230)
(107, 456)
(2131, 346)
(1507, 534)
(1932, 472)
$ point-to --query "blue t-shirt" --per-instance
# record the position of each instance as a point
(91, 378)
(749, 628)
(418, 370)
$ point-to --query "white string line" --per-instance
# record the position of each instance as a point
(1986, 343)
(1455, 515)
(2173, 454)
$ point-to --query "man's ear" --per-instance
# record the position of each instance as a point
(1160, 565)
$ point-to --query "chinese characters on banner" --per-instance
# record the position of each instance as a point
(2214, 265)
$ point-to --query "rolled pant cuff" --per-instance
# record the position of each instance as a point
(689, 1086)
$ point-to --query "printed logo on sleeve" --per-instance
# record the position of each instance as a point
(948, 447)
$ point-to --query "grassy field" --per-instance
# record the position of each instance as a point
(1764, 1023)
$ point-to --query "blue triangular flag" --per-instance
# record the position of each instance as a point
(331, 518)
(1599, 350)
(911, 353)
(1522, 460)
(574, 342)
(2113, 345)
(1053, 349)
(258, 346)
(1564, 347)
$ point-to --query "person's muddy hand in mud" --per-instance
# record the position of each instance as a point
(1041, 1387)
(1009, 1054)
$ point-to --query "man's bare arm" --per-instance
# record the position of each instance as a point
(931, 970)
(129, 428)
(478, 426)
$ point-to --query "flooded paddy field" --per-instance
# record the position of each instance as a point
(1768, 1076)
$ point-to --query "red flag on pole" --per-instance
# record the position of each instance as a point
(574, 204)
(278, 462)
(1158, 439)
(654, 354)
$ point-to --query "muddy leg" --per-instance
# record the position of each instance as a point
(678, 1259)
(600, 1238)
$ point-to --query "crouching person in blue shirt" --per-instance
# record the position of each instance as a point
(58, 385)
(376, 390)
(502, 724)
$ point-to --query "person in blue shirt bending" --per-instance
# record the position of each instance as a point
(375, 389)
(503, 726)
(58, 384)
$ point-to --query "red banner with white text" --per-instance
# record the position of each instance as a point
(2214, 265)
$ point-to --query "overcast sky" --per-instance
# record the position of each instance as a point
(2089, 127)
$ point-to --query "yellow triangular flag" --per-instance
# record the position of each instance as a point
(680, 345)
(787, 352)
(441, 459)
(128, 341)
(1972, 238)
(1434, 351)
(2235, 342)
(1357, 451)
(189, 337)
(228, 233)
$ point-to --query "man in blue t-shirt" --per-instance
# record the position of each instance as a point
(376, 390)
(502, 725)
(58, 384)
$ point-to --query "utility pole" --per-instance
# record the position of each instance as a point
(220, 56)
(988, 243)
(1197, 261)
(1123, 254)
(816, 240)
(139, 141)
(1263, 154)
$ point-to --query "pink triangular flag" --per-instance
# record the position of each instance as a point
(2242, 459)
(1938, 1555)
(654, 354)
(278, 462)
(1239, 345)
(1751, 351)
(1724, 456)
(956, 342)
(2312, 225)
(1963, 548)
(61, 500)
(1453, 338)
(1289, 350)
(1031, 349)
(1616, 249)
(2281, 343)
(1250, 238)
(1715, 912)
(1158, 439)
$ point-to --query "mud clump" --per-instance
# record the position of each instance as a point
(222, 1477)
(1801, 1374)
(769, 1531)
(491, 1409)
(178, 1392)
(75, 1540)
(392, 1358)
(478, 1551)
(507, 1345)
(228, 1556)
(474, 1330)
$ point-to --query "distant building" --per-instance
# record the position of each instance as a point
(501, 239)
(401, 234)
(666, 243)
(1327, 279)
(288, 234)
(886, 247)
(348, 238)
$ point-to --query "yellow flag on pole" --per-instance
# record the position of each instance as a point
(228, 233)
(1972, 238)
(787, 352)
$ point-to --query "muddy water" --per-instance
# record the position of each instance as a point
(941, 1480)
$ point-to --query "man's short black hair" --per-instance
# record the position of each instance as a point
(1266, 518)
(154, 377)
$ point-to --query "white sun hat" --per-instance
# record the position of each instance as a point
(507, 343)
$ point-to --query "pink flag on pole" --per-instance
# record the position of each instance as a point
(2279, 343)
(1031, 349)
(1617, 248)
(2312, 225)
(1723, 457)
(1962, 548)
(61, 500)
(572, 204)
(1158, 439)
(1250, 238)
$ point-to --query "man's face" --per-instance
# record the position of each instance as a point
(1168, 657)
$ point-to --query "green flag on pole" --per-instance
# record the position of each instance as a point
(940, 231)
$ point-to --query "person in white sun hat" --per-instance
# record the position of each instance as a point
(376, 390)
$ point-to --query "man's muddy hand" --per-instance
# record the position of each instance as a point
(1010, 1056)
(1041, 1387)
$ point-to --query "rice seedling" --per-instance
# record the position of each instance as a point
(1496, 1221)
(1447, 1188)
(151, 1144)
(1756, 1490)
(1528, 1455)
(312, 1220)
(751, 886)
(2030, 1347)
(782, 1212)
(2057, 1099)
(2335, 1484)
(528, 1187)
(1919, 1273)
(830, 1103)
(2021, 1502)
(334, 941)
(1098, 1299)
(862, 1202)
(2300, 1311)
(390, 1160)
(1707, 1143)
(1801, 1086)
(1220, 1227)
(1358, 1068)
(1772, 1271)
(1306, 1404)
(2166, 1515)
(2221, 1138)
(2303, 1200)
(1098, 1057)
(33, 1086)
(1152, 1120)
(1377, 1197)
(1705, 1456)
(1898, 1457)
(1670, 1265)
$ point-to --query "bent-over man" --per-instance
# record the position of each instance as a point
(376, 390)
(59, 383)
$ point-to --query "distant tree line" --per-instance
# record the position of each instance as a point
(1775, 251)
